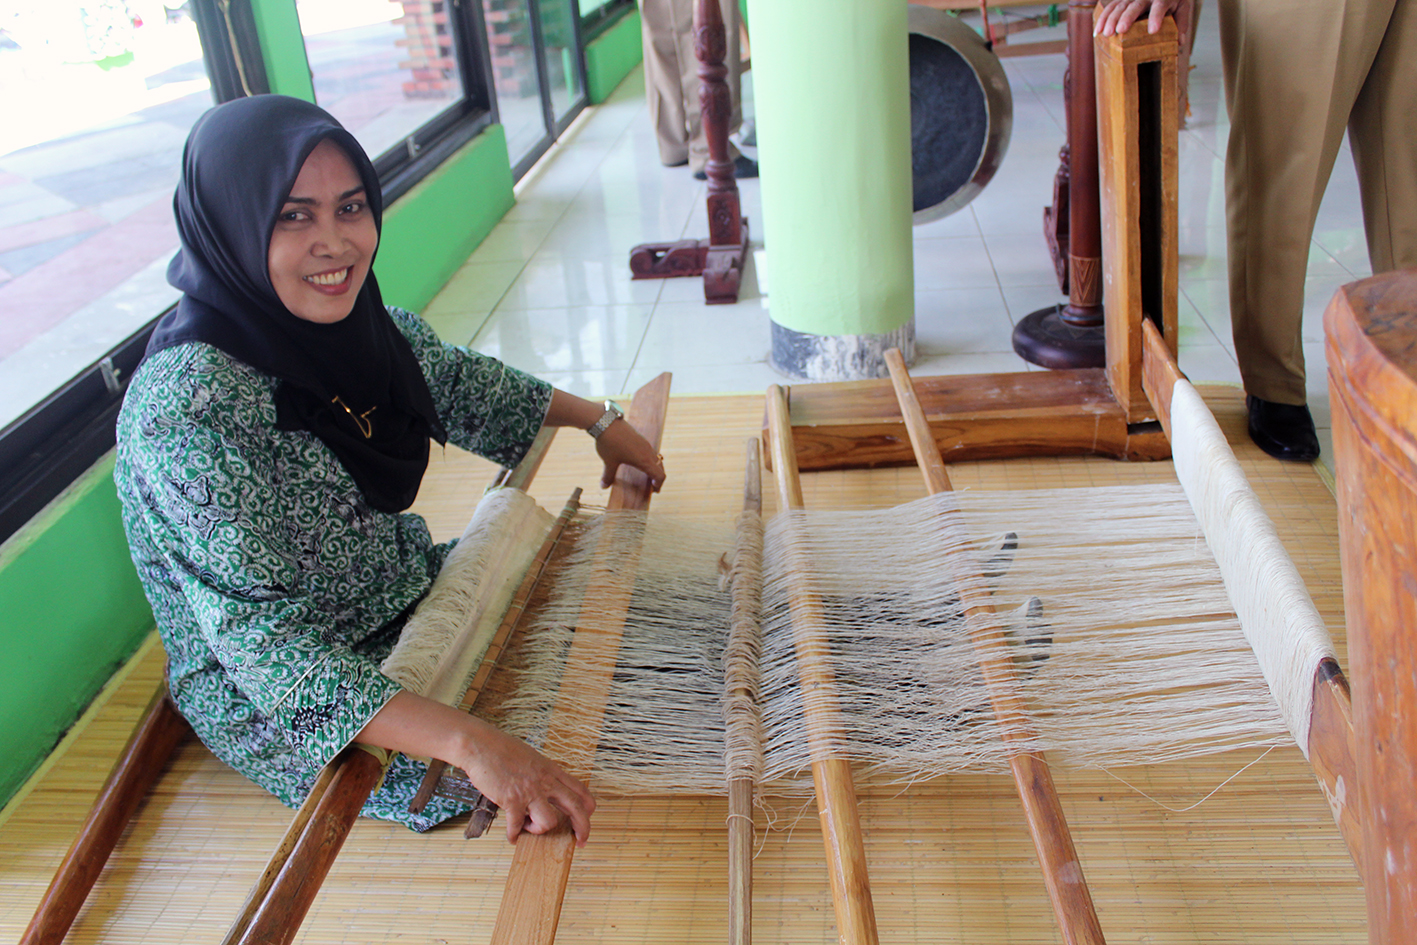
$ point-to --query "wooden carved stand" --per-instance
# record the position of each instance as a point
(719, 259)
(1070, 336)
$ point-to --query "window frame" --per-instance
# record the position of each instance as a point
(51, 445)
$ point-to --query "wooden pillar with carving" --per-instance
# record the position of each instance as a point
(1071, 335)
(719, 259)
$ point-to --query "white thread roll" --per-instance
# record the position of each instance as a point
(443, 642)
(1276, 613)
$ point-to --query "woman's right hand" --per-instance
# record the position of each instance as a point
(533, 791)
(1117, 16)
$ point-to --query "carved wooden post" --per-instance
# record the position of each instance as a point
(719, 259)
(728, 230)
(1071, 336)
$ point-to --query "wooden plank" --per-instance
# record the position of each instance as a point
(972, 416)
(1159, 373)
(1033, 778)
(138, 767)
(541, 865)
(1138, 147)
(831, 775)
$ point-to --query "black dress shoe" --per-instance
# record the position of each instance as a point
(743, 167)
(1284, 431)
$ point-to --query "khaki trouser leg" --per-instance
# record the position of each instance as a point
(1293, 71)
(1383, 133)
(667, 38)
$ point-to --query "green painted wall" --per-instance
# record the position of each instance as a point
(283, 48)
(611, 56)
(434, 227)
(71, 611)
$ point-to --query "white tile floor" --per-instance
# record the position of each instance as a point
(549, 290)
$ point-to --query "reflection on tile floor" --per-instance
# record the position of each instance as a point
(549, 290)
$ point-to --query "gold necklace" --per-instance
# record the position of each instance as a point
(361, 420)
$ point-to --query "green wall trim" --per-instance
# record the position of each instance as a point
(431, 230)
(283, 48)
(71, 612)
(611, 56)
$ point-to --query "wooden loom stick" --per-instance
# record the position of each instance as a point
(541, 863)
(138, 766)
(277, 904)
(1331, 746)
(485, 810)
(740, 789)
(1062, 873)
(831, 776)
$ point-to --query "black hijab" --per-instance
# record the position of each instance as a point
(239, 164)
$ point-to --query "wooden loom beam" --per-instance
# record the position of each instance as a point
(1047, 824)
(740, 789)
(148, 749)
(287, 887)
(831, 775)
(1331, 748)
(541, 863)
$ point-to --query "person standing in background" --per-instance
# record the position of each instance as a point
(1297, 73)
(672, 83)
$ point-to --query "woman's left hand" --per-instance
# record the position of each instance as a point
(619, 444)
(623, 444)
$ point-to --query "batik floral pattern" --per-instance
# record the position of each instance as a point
(276, 588)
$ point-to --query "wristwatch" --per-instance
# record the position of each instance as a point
(612, 413)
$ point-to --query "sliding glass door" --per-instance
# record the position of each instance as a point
(537, 70)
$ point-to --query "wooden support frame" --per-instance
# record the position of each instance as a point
(541, 864)
(1033, 778)
(1088, 411)
(1371, 343)
(1138, 128)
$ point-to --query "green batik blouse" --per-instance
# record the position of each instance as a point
(277, 590)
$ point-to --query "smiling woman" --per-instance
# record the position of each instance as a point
(324, 238)
(268, 447)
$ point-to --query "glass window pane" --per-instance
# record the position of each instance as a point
(98, 99)
(559, 35)
(514, 74)
(382, 68)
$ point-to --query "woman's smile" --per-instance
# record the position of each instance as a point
(324, 238)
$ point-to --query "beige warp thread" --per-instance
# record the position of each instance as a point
(1115, 612)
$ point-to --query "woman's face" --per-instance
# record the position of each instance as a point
(324, 239)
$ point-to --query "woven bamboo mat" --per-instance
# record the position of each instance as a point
(950, 861)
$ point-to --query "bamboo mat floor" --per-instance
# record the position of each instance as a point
(950, 860)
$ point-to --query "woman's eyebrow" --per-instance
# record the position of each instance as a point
(311, 201)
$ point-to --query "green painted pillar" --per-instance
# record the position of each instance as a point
(831, 83)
